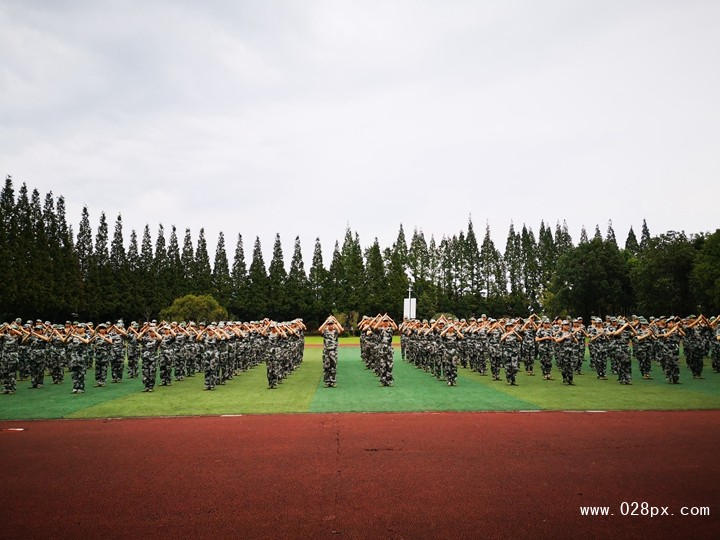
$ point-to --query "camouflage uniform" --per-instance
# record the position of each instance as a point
(385, 352)
(545, 348)
(117, 356)
(622, 353)
(671, 354)
(495, 352)
(167, 358)
(77, 362)
(102, 359)
(528, 348)
(133, 353)
(451, 344)
(694, 351)
(715, 350)
(57, 357)
(330, 357)
(9, 361)
(598, 347)
(566, 355)
(37, 359)
(510, 345)
(150, 345)
(271, 360)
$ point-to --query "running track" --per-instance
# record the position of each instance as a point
(446, 475)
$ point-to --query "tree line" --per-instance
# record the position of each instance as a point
(49, 272)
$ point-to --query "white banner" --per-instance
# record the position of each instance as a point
(409, 308)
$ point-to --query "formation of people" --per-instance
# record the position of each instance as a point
(175, 350)
(439, 346)
(376, 350)
(223, 350)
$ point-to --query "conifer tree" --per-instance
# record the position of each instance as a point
(583, 236)
(257, 306)
(175, 272)
(119, 272)
(375, 287)
(631, 243)
(644, 236)
(187, 258)
(202, 274)
(318, 288)
(221, 273)
(239, 278)
(297, 286)
(611, 234)
(277, 300)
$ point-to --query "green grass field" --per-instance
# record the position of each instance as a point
(358, 390)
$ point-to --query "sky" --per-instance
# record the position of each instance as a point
(305, 117)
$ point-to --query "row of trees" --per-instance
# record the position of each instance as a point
(49, 272)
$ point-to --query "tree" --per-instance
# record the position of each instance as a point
(546, 255)
(353, 271)
(661, 277)
(174, 268)
(320, 304)
(99, 275)
(644, 236)
(277, 300)
(592, 279)
(239, 280)
(202, 274)
(297, 288)
(513, 260)
(118, 267)
(530, 268)
(258, 289)
(187, 258)
(705, 278)
(631, 243)
(221, 281)
(375, 284)
(611, 233)
(583, 235)
(146, 276)
(203, 308)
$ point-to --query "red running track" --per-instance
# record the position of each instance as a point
(447, 475)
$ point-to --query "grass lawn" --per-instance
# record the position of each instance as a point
(358, 390)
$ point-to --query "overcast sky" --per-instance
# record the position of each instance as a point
(299, 117)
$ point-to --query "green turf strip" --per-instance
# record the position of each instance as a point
(358, 389)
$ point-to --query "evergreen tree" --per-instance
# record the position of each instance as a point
(631, 243)
(546, 254)
(258, 289)
(146, 276)
(563, 240)
(531, 267)
(8, 251)
(161, 272)
(239, 278)
(135, 277)
(336, 283)
(471, 259)
(27, 300)
(489, 257)
(513, 260)
(418, 258)
(644, 236)
(277, 301)
(68, 275)
(99, 276)
(318, 288)
(598, 234)
(611, 233)
(187, 258)
(583, 236)
(202, 274)
(83, 245)
(175, 272)
(221, 282)
(375, 286)
(297, 288)
(118, 301)
(353, 272)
